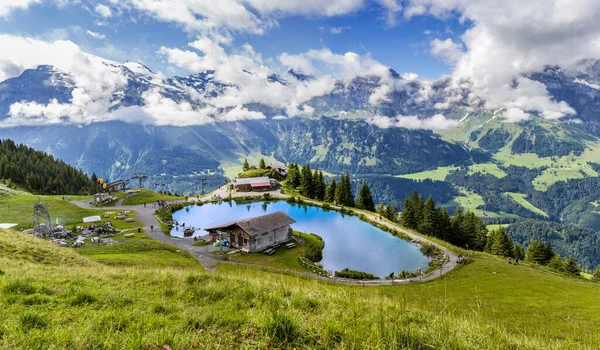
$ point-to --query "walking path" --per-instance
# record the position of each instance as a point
(203, 253)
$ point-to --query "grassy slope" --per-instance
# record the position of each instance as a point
(520, 198)
(149, 197)
(18, 208)
(488, 304)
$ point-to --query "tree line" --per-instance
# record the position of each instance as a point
(312, 184)
(38, 172)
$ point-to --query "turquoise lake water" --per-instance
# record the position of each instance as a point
(349, 242)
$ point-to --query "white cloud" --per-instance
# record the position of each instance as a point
(103, 10)
(510, 38)
(392, 8)
(224, 16)
(345, 65)
(338, 30)
(446, 50)
(95, 35)
(436, 122)
(6, 7)
(514, 115)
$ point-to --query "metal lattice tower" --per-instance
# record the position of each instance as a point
(41, 215)
(140, 177)
(162, 186)
(203, 179)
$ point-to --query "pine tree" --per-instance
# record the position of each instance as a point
(519, 252)
(365, 199)
(548, 253)
(444, 224)
(571, 267)
(306, 181)
(501, 244)
(320, 185)
(343, 194)
(456, 234)
(330, 194)
(246, 166)
(262, 164)
(556, 264)
(430, 221)
(348, 195)
(293, 176)
(408, 216)
(391, 212)
(536, 253)
(380, 208)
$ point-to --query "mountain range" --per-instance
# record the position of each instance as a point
(502, 171)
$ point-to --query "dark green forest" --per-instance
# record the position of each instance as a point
(567, 240)
(38, 172)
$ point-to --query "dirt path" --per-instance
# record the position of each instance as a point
(145, 214)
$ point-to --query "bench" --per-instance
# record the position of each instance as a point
(290, 245)
(269, 251)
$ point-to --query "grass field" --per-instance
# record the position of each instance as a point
(495, 226)
(520, 198)
(60, 299)
(283, 257)
(472, 201)
(438, 174)
(18, 208)
(149, 197)
(487, 168)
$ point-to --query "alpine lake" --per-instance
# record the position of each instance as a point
(349, 242)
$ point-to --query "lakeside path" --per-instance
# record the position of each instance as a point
(203, 254)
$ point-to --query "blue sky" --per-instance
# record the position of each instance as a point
(131, 36)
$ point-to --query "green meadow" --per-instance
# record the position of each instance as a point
(55, 298)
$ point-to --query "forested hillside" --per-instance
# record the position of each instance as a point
(566, 240)
(40, 173)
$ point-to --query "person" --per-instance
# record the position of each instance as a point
(403, 275)
(144, 204)
(151, 227)
(392, 276)
(517, 260)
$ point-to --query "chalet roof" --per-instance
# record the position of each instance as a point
(258, 224)
(251, 180)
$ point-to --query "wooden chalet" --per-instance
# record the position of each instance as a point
(257, 233)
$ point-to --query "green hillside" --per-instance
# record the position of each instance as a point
(65, 300)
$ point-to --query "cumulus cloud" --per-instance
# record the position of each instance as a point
(6, 7)
(436, 122)
(249, 16)
(247, 77)
(446, 50)
(103, 10)
(510, 38)
(515, 115)
(345, 65)
(96, 35)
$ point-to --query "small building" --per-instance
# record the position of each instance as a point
(257, 233)
(254, 184)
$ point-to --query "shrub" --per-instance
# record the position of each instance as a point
(355, 275)
(314, 250)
